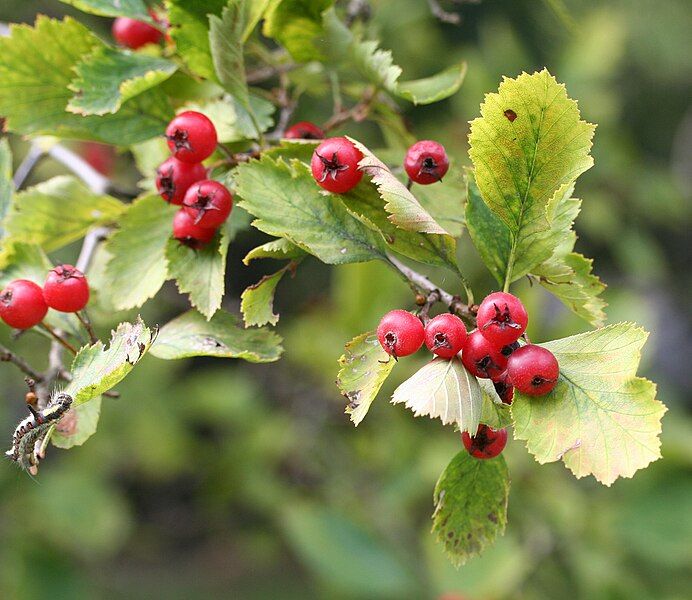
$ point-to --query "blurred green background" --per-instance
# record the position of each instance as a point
(221, 479)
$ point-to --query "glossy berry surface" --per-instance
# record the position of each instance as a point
(190, 235)
(426, 162)
(335, 165)
(400, 333)
(134, 34)
(502, 318)
(208, 203)
(22, 304)
(304, 130)
(174, 177)
(445, 335)
(533, 370)
(487, 443)
(66, 289)
(191, 137)
(482, 358)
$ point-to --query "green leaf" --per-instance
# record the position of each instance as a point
(191, 334)
(253, 12)
(135, 9)
(288, 203)
(106, 78)
(226, 42)
(445, 200)
(528, 143)
(435, 88)
(443, 389)
(189, 27)
(87, 417)
(470, 505)
(494, 412)
(297, 25)
(57, 212)
(233, 123)
(6, 184)
(278, 249)
(96, 369)
(36, 67)
(257, 301)
(600, 419)
(137, 268)
(364, 368)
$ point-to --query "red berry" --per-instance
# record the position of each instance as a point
(487, 443)
(335, 165)
(504, 389)
(208, 203)
(22, 304)
(174, 177)
(134, 34)
(191, 137)
(400, 333)
(66, 289)
(445, 335)
(533, 370)
(482, 358)
(502, 318)
(191, 235)
(304, 130)
(426, 162)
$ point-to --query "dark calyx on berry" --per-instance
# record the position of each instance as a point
(331, 166)
(487, 443)
(165, 182)
(179, 138)
(509, 348)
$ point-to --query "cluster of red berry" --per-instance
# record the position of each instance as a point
(182, 180)
(492, 351)
(23, 304)
(135, 34)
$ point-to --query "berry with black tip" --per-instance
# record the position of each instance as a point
(174, 177)
(400, 333)
(482, 358)
(66, 289)
(304, 130)
(504, 389)
(188, 233)
(533, 370)
(191, 137)
(445, 335)
(426, 162)
(208, 203)
(22, 305)
(335, 165)
(502, 318)
(509, 348)
(487, 443)
(134, 34)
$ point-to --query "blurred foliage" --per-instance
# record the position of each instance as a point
(216, 479)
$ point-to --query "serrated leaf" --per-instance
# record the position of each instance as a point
(107, 77)
(278, 249)
(470, 505)
(405, 211)
(600, 419)
(434, 88)
(36, 67)
(233, 123)
(137, 268)
(87, 416)
(191, 334)
(226, 45)
(96, 369)
(57, 212)
(443, 389)
(445, 200)
(528, 143)
(135, 9)
(288, 203)
(257, 301)
(494, 412)
(364, 368)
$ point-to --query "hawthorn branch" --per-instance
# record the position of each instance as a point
(357, 113)
(8, 356)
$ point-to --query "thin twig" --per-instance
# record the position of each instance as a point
(287, 104)
(269, 71)
(89, 245)
(7, 356)
(26, 167)
(58, 338)
(86, 322)
(357, 113)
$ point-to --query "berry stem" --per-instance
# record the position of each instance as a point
(57, 337)
(86, 322)
(7, 356)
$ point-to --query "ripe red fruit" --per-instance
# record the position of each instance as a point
(533, 370)
(190, 235)
(426, 162)
(445, 335)
(22, 304)
(487, 443)
(208, 203)
(174, 177)
(502, 318)
(400, 333)
(504, 389)
(304, 130)
(335, 165)
(134, 34)
(482, 358)
(66, 289)
(191, 137)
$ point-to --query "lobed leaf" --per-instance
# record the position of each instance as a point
(226, 44)
(278, 249)
(87, 420)
(600, 419)
(134, 9)
(257, 301)
(6, 183)
(233, 122)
